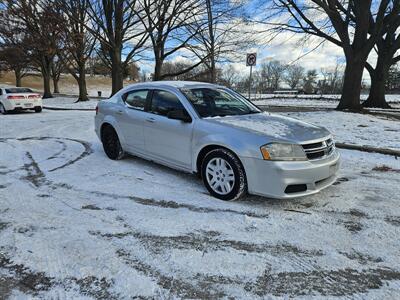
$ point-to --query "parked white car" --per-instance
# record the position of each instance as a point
(17, 98)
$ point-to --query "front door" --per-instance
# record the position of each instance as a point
(167, 139)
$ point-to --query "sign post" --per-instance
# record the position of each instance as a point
(251, 61)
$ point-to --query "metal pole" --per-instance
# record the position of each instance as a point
(251, 71)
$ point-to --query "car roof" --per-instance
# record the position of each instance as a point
(174, 84)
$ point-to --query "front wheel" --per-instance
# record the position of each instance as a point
(223, 175)
(111, 145)
(38, 109)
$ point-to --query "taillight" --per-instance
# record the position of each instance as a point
(15, 97)
(97, 109)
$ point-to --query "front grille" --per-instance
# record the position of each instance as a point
(319, 150)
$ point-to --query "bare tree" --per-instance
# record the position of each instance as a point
(223, 38)
(116, 24)
(172, 26)
(386, 49)
(229, 76)
(57, 67)
(355, 26)
(38, 22)
(15, 59)
(293, 76)
(309, 82)
(77, 42)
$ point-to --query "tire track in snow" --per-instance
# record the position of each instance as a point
(87, 151)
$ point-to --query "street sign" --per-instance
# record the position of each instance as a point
(251, 59)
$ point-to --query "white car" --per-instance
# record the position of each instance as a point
(211, 130)
(17, 98)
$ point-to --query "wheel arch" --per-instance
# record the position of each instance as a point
(207, 149)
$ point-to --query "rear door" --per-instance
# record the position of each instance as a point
(131, 116)
(167, 139)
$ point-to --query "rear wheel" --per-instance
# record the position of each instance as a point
(111, 145)
(3, 110)
(38, 109)
(223, 175)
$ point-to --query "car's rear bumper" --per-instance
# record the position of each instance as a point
(22, 105)
(284, 179)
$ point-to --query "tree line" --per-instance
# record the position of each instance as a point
(359, 27)
(54, 35)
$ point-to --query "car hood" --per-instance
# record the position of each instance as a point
(274, 126)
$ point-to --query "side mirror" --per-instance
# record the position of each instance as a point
(179, 114)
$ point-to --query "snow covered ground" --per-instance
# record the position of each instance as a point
(69, 103)
(74, 224)
(359, 129)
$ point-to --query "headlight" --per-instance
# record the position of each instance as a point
(288, 152)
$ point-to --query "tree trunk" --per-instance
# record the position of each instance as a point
(46, 74)
(213, 70)
(379, 76)
(55, 85)
(83, 95)
(157, 69)
(116, 72)
(18, 77)
(46, 86)
(351, 91)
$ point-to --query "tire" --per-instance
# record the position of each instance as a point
(111, 145)
(223, 175)
(38, 109)
(3, 110)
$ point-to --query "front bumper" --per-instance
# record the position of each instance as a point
(281, 179)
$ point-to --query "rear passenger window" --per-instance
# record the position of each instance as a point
(163, 102)
(136, 99)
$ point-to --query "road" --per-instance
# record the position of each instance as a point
(74, 224)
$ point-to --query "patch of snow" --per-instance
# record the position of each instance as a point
(352, 128)
(69, 103)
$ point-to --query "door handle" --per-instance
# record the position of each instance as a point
(151, 120)
(120, 112)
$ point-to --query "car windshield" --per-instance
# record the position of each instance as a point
(18, 90)
(212, 102)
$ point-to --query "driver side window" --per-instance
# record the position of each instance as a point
(163, 102)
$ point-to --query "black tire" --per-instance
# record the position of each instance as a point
(111, 145)
(38, 109)
(2, 109)
(240, 184)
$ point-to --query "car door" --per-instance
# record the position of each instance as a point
(131, 115)
(167, 139)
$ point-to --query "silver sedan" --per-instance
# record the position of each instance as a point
(215, 132)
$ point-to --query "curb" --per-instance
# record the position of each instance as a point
(70, 109)
(369, 149)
